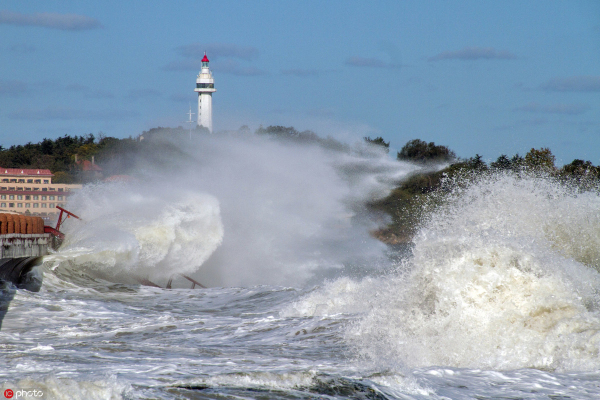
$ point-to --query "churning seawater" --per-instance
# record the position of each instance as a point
(497, 297)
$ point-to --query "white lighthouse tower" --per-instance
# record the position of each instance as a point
(205, 86)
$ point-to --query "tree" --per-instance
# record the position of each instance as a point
(378, 141)
(502, 162)
(476, 163)
(421, 151)
(278, 130)
(541, 159)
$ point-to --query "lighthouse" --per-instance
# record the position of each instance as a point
(205, 86)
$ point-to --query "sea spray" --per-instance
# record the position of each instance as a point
(498, 279)
(128, 232)
(288, 213)
(491, 286)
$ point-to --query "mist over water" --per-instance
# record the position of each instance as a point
(238, 211)
(504, 275)
(499, 297)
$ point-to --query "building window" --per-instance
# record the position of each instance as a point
(29, 180)
(36, 189)
(19, 197)
(27, 197)
(35, 205)
(19, 205)
(46, 181)
(60, 197)
(44, 197)
(38, 181)
(19, 188)
(51, 205)
(52, 189)
(11, 197)
(44, 189)
(3, 197)
(4, 188)
(2, 204)
(27, 205)
(36, 197)
(11, 188)
(5, 180)
(11, 204)
(50, 197)
(13, 181)
(28, 189)
(43, 205)
(60, 189)
(21, 180)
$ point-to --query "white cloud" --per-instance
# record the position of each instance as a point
(573, 84)
(474, 53)
(570, 109)
(13, 88)
(67, 114)
(366, 62)
(69, 22)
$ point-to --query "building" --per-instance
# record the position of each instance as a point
(205, 86)
(31, 191)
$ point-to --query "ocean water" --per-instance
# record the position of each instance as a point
(496, 298)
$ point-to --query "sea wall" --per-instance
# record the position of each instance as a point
(24, 245)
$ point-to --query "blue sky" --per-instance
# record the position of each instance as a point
(479, 76)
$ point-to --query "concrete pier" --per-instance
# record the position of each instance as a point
(15, 245)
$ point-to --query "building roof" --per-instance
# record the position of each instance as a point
(205, 59)
(25, 172)
(88, 165)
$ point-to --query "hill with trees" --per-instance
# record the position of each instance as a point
(64, 156)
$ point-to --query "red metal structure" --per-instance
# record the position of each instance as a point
(56, 231)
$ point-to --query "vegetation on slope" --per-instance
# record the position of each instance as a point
(64, 156)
